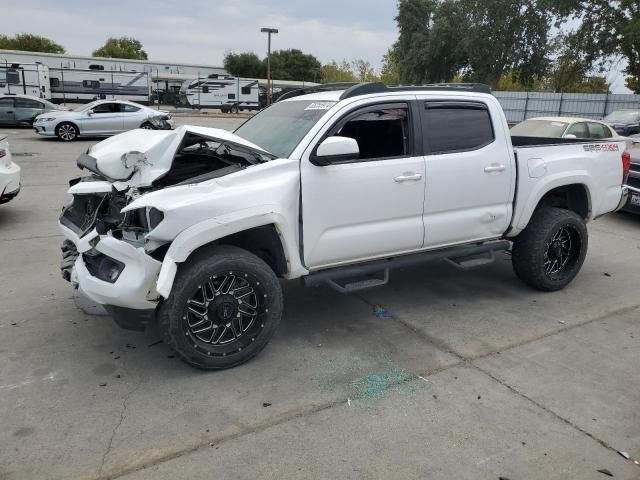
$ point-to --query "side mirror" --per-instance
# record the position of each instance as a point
(635, 141)
(335, 150)
(570, 135)
(89, 113)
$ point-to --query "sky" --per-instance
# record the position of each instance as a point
(201, 32)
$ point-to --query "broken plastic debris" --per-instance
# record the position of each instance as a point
(103, 384)
(265, 404)
(625, 455)
(606, 275)
(379, 312)
(606, 472)
(348, 402)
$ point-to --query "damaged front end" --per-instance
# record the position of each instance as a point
(108, 253)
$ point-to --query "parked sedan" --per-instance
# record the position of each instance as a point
(9, 173)
(22, 109)
(625, 122)
(565, 127)
(101, 119)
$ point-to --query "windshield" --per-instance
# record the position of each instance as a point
(539, 128)
(84, 107)
(623, 116)
(279, 128)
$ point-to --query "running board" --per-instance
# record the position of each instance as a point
(359, 277)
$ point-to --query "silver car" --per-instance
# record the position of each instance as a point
(22, 109)
(101, 119)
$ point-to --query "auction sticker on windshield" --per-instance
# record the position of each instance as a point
(320, 106)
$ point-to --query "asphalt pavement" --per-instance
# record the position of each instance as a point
(441, 374)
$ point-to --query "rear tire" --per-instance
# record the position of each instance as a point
(67, 132)
(550, 252)
(224, 307)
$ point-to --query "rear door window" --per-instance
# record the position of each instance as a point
(456, 126)
(598, 131)
(129, 108)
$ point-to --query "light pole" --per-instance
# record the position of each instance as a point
(269, 31)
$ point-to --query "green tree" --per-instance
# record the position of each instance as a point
(610, 30)
(415, 23)
(246, 64)
(363, 71)
(480, 40)
(27, 42)
(124, 47)
(506, 36)
(337, 72)
(390, 73)
(293, 64)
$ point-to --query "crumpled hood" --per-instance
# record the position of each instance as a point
(139, 157)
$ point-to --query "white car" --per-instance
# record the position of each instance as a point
(190, 229)
(566, 127)
(100, 119)
(9, 173)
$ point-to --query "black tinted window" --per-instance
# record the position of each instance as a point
(246, 90)
(456, 126)
(6, 102)
(107, 108)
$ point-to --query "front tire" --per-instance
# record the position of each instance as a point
(147, 126)
(67, 132)
(224, 307)
(550, 251)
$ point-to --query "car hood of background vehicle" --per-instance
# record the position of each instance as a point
(59, 115)
(139, 157)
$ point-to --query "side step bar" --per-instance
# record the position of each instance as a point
(363, 276)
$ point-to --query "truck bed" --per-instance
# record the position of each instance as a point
(547, 163)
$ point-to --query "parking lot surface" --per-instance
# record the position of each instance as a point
(441, 374)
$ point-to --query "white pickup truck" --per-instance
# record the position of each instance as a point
(190, 229)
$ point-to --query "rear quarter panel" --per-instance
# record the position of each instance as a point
(596, 166)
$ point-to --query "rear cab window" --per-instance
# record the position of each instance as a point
(451, 126)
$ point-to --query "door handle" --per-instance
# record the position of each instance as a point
(9, 111)
(408, 177)
(495, 168)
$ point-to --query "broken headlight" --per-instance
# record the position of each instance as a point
(142, 219)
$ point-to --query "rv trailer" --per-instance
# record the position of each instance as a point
(82, 86)
(25, 78)
(229, 94)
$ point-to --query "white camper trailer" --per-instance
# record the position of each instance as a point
(73, 85)
(25, 78)
(227, 93)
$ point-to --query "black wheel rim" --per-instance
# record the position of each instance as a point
(562, 252)
(225, 314)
